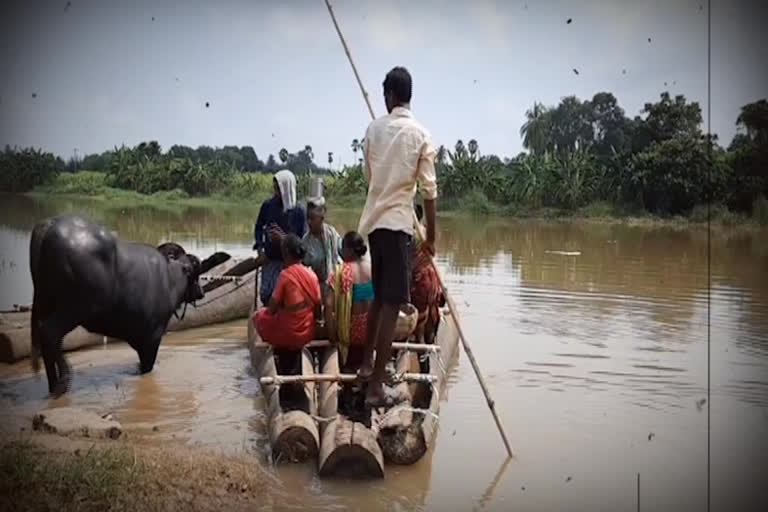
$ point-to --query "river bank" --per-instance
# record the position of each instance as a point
(472, 205)
(44, 471)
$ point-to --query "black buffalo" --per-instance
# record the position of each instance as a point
(84, 276)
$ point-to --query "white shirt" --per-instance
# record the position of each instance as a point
(398, 152)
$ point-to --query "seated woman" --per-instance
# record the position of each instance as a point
(350, 295)
(323, 245)
(288, 321)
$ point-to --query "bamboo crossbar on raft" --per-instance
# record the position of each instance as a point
(412, 347)
(341, 377)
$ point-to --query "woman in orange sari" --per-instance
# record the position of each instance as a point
(288, 321)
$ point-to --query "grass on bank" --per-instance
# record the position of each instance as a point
(119, 476)
(251, 189)
(246, 190)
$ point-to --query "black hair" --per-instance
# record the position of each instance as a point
(293, 247)
(354, 241)
(319, 208)
(398, 82)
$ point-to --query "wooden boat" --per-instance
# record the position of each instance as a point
(227, 298)
(15, 337)
(291, 407)
(229, 289)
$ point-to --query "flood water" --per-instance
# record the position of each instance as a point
(597, 362)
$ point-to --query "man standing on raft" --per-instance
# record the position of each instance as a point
(398, 152)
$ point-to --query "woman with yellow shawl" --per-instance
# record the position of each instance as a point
(350, 294)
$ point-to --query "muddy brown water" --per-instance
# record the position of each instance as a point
(597, 362)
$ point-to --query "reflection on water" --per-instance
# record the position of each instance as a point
(597, 361)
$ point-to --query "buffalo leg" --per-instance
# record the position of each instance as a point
(147, 355)
(52, 331)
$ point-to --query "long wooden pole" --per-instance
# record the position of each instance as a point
(349, 56)
(451, 306)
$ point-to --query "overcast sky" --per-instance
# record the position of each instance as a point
(275, 73)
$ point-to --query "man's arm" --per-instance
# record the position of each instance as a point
(428, 181)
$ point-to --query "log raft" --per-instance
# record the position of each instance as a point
(359, 446)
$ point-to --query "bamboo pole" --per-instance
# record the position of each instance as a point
(413, 347)
(341, 377)
(452, 307)
(349, 56)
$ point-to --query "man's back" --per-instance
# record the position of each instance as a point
(398, 152)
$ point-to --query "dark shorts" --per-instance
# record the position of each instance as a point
(391, 265)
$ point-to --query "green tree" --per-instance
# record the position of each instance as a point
(670, 176)
(753, 120)
(672, 117)
(535, 130)
(571, 126)
(472, 147)
(610, 126)
(356, 146)
(178, 151)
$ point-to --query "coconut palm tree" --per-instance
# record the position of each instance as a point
(441, 154)
(356, 145)
(330, 158)
(283, 154)
(535, 131)
(459, 148)
(472, 147)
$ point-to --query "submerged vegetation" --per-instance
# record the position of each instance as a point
(584, 158)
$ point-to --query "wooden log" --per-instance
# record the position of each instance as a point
(347, 449)
(338, 377)
(328, 390)
(400, 435)
(414, 347)
(448, 340)
(16, 337)
(350, 450)
(293, 434)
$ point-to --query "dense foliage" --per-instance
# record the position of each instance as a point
(23, 169)
(579, 153)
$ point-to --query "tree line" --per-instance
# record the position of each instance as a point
(578, 152)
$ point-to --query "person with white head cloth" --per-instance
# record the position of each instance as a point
(279, 216)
